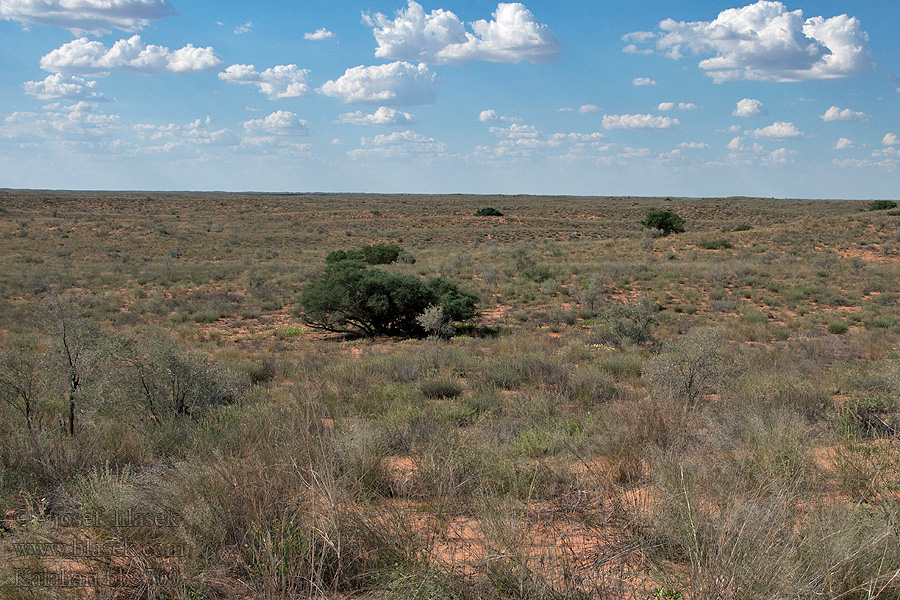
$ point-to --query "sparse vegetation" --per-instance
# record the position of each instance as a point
(627, 417)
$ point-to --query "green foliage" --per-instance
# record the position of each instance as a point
(377, 254)
(839, 327)
(720, 244)
(882, 205)
(350, 297)
(665, 220)
(488, 211)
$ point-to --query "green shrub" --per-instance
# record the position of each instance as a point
(488, 211)
(839, 327)
(378, 254)
(350, 297)
(882, 205)
(720, 244)
(664, 220)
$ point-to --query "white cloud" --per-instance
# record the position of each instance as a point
(641, 37)
(279, 123)
(780, 156)
(245, 28)
(401, 145)
(280, 81)
(85, 57)
(890, 139)
(836, 114)
(86, 16)
(638, 122)
(779, 130)
(667, 106)
(319, 35)
(766, 42)
(579, 137)
(397, 83)
(887, 164)
(492, 116)
(382, 116)
(642, 81)
(197, 133)
(589, 108)
(735, 143)
(516, 131)
(844, 144)
(748, 107)
(62, 87)
(888, 151)
(79, 122)
(440, 37)
(693, 145)
(564, 109)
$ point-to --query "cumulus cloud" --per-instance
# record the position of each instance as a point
(836, 114)
(748, 107)
(632, 39)
(668, 106)
(780, 156)
(766, 42)
(66, 88)
(844, 144)
(638, 122)
(245, 28)
(79, 122)
(779, 130)
(199, 132)
(890, 139)
(693, 145)
(642, 81)
(318, 35)
(85, 57)
(589, 108)
(281, 81)
(86, 16)
(439, 37)
(382, 116)
(401, 145)
(279, 123)
(492, 116)
(398, 83)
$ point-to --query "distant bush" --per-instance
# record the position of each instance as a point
(488, 211)
(350, 297)
(378, 254)
(839, 327)
(664, 220)
(882, 205)
(743, 227)
(721, 244)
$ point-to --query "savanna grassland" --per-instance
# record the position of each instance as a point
(708, 415)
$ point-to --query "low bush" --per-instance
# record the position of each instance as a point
(665, 221)
(882, 205)
(350, 297)
(377, 254)
(488, 211)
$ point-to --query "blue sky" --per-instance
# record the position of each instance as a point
(795, 99)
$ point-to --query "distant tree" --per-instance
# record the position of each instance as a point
(882, 205)
(74, 338)
(377, 254)
(351, 297)
(666, 221)
(488, 211)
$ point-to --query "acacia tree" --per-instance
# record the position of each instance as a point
(73, 337)
(20, 381)
(350, 297)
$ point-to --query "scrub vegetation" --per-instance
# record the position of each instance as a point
(277, 396)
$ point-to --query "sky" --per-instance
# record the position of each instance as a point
(694, 98)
